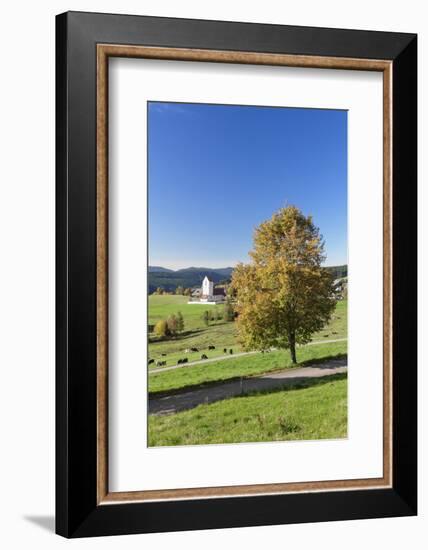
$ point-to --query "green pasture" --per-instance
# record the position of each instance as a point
(221, 335)
(161, 307)
(248, 365)
(218, 333)
(314, 409)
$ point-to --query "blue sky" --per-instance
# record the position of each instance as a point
(216, 171)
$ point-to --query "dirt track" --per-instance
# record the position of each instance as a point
(188, 400)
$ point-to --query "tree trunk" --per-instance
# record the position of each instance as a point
(292, 341)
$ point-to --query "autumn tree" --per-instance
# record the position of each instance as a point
(172, 324)
(161, 328)
(180, 322)
(206, 317)
(284, 295)
(229, 314)
(230, 292)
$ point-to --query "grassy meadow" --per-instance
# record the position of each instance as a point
(237, 367)
(316, 409)
(220, 334)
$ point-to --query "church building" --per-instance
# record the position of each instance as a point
(209, 294)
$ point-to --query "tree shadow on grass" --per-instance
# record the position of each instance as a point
(256, 385)
(299, 384)
(322, 363)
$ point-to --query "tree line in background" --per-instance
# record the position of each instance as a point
(179, 291)
(228, 314)
(174, 324)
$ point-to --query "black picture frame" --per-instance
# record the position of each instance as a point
(77, 511)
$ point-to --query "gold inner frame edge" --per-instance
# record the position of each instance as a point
(104, 51)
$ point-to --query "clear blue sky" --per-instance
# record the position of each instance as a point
(216, 171)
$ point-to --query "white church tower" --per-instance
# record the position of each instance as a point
(207, 287)
(210, 295)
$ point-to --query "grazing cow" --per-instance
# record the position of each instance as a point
(203, 356)
(194, 349)
(211, 347)
(163, 354)
(185, 360)
(160, 363)
(179, 361)
(224, 350)
(231, 351)
(151, 361)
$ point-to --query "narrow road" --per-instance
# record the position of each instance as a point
(188, 400)
(223, 357)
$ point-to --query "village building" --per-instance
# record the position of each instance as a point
(208, 294)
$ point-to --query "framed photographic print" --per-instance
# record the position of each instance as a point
(236, 274)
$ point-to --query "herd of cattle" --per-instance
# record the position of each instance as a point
(185, 359)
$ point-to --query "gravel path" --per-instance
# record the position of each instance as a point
(189, 400)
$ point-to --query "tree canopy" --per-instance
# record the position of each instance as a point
(284, 294)
(161, 328)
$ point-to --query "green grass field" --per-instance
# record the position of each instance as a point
(316, 409)
(219, 333)
(161, 307)
(249, 365)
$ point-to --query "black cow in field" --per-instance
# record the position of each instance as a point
(160, 363)
(203, 356)
(211, 347)
(163, 354)
(151, 361)
(194, 349)
(231, 351)
(179, 361)
(224, 350)
(185, 360)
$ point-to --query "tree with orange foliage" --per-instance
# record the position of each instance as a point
(284, 294)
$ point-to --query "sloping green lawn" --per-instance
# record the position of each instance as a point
(314, 409)
(248, 365)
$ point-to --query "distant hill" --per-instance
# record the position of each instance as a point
(188, 277)
(158, 269)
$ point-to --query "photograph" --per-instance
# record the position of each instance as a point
(247, 291)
